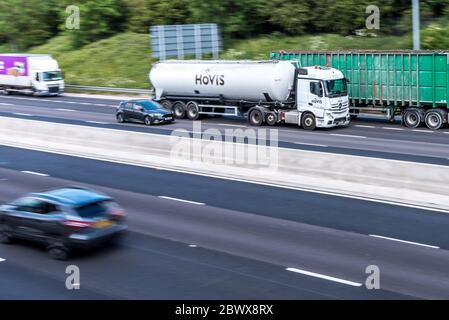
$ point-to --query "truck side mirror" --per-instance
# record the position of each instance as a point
(37, 77)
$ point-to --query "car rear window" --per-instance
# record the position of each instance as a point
(94, 209)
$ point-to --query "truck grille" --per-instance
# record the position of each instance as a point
(53, 89)
(336, 106)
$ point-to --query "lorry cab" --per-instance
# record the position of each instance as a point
(37, 74)
(322, 92)
(46, 77)
(48, 82)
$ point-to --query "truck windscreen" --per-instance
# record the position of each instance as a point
(336, 88)
(52, 76)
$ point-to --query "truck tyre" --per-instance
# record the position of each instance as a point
(166, 104)
(435, 119)
(193, 112)
(256, 118)
(308, 121)
(271, 119)
(179, 110)
(412, 118)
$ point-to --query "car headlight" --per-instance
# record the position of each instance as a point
(158, 115)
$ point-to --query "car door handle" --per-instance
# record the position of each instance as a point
(310, 104)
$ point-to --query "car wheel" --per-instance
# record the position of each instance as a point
(308, 121)
(58, 252)
(148, 121)
(5, 236)
(120, 118)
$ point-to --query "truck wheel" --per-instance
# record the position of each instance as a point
(434, 119)
(271, 119)
(256, 118)
(166, 104)
(412, 118)
(179, 110)
(308, 121)
(193, 112)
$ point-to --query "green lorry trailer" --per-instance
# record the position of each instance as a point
(414, 84)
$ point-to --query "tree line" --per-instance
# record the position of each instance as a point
(24, 24)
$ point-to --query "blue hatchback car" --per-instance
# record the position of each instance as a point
(145, 111)
(62, 219)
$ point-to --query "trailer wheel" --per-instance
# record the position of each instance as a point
(271, 119)
(308, 121)
(435, 119)
(179, 110)
(193, 112)
(166, 104)
(256, 118)
(412, 118)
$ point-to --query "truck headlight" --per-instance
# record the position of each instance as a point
(329, 115)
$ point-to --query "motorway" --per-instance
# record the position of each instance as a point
(365, 137)
(242, 238)
(198, 237)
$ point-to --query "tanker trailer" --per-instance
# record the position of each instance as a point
(268, 92)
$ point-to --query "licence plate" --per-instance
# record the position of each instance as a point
(103, 224)
(169, 118)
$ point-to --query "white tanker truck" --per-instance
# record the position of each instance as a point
(268, 92)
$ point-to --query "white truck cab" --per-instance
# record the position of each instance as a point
(322, 91)
(37, 74)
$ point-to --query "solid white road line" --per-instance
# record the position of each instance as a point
(36, 173)
(393, 128)
(311, 144)
(182, 200)
(403, 241)
(363, 126)
(6, 104)
(23, 114)
(322, 276)
(347, 135)
(1, 259)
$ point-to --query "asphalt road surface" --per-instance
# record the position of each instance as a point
(197, 237)
(365, 137)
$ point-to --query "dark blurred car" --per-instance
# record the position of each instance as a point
(62, 219)
(145, 111)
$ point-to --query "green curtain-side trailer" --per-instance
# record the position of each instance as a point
(412, 83)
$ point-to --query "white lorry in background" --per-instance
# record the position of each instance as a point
(37, 74)
(268, 92)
